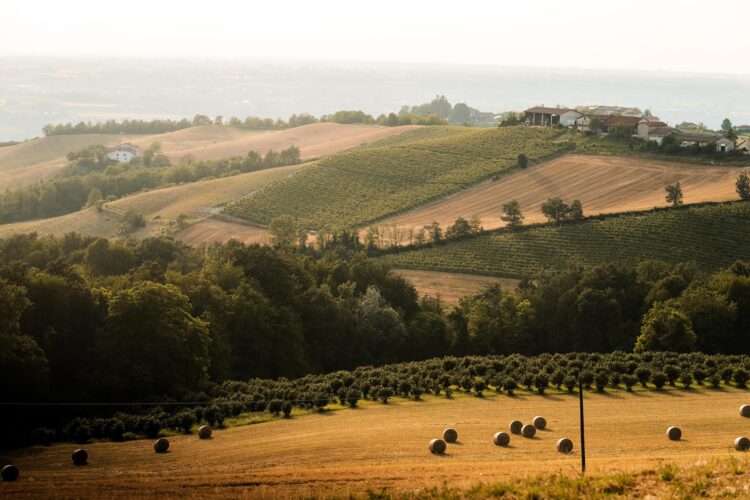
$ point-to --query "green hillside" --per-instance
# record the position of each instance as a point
(712, 235)
(357, 187)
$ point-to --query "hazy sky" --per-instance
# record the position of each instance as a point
(675, 35)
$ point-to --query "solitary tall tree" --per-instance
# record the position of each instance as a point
(512, 213)
(726, 124)
(743, 186)
(674, 194)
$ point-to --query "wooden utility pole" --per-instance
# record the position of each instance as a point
(583, 437)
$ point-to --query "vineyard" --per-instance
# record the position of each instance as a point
(359, 187)
(711, 235)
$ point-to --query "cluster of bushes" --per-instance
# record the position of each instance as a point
(91, 176)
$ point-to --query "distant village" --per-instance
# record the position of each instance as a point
(604, 120)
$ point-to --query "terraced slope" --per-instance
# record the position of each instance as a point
(355, 188)
(712, 235)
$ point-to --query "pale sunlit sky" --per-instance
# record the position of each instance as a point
(672, 35)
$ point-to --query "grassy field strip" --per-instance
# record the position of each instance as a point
(385, 446)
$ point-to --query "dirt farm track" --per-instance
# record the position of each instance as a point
(385, 446)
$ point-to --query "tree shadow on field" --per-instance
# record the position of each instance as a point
(552, 397)
(610, 395)
(669, 392)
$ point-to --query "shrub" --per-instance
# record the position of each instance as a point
(740, 377)
(659, 379)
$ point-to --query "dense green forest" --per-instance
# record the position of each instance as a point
(92, 178)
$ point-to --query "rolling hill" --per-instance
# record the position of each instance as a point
(33, 160)
(603, 183)
(712, 235)
(355, 188)
(30, 161)
(195, 200)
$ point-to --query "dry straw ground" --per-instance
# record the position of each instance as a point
(351, 451)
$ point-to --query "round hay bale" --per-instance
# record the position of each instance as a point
(161, 445)
(674, 433)
(564, 445)
(515, 426)
(528, 431)
(540, 423)
(745, 411)
(450, 435)
(80, 457)
(437, 446)
(501, 439)
(10, 473)
(742, 444)
(204, 432)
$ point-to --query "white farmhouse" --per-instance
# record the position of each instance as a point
(724, 145)
(124, 153)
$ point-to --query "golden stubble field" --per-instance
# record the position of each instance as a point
(385, 446)
(604, 184)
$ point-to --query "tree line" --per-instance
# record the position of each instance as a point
(160, 126)
(91, 178)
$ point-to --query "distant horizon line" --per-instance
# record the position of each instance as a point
(218, 60)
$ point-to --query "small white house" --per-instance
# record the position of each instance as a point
(724, 145)
(124, 153)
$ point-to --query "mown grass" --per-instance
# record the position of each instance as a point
(718, 478)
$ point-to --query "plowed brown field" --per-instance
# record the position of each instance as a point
(351, 451)
(604, 184)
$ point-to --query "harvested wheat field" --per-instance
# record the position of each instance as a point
(604, 184)
(385, 446)
(212, 142)
(214, 230)
(451, 286)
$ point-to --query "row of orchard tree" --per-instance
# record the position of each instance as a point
(475, 375)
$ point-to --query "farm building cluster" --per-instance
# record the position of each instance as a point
(123, 153)
(605, 119)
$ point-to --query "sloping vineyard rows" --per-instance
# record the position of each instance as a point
(713, 236)
(358, 187)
